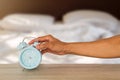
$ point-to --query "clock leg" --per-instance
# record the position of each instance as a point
(23, 69)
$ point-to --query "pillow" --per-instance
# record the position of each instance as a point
(117, 31)
(98, 18)
(26, 22)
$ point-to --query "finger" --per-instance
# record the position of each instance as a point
(42, 46)
(31, 42)
(40, 39)
(45, 51)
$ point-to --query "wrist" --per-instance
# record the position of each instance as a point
(67, 48)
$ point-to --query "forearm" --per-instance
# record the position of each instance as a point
(106, 48)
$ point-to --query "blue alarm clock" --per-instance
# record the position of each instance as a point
(29, 57)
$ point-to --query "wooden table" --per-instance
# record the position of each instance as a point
(61, 72)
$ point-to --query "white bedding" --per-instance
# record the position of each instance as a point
(70, 33)
(80, 31)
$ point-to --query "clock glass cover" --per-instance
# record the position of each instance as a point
(30, 58)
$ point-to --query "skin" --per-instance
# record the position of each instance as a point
(104, 48)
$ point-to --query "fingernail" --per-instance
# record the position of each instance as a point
(37, 47)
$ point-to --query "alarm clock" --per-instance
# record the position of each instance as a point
(29, 57)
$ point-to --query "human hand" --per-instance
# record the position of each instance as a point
(50, 44)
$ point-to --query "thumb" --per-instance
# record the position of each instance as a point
(42, 46)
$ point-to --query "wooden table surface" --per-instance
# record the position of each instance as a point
(61, 72)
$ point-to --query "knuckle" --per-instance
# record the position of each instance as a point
(50, 36)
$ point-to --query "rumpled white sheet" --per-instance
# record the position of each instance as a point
(78, 32)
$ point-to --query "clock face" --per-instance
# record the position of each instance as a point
(30, 58)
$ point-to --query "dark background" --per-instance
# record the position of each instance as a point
(57, 7)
